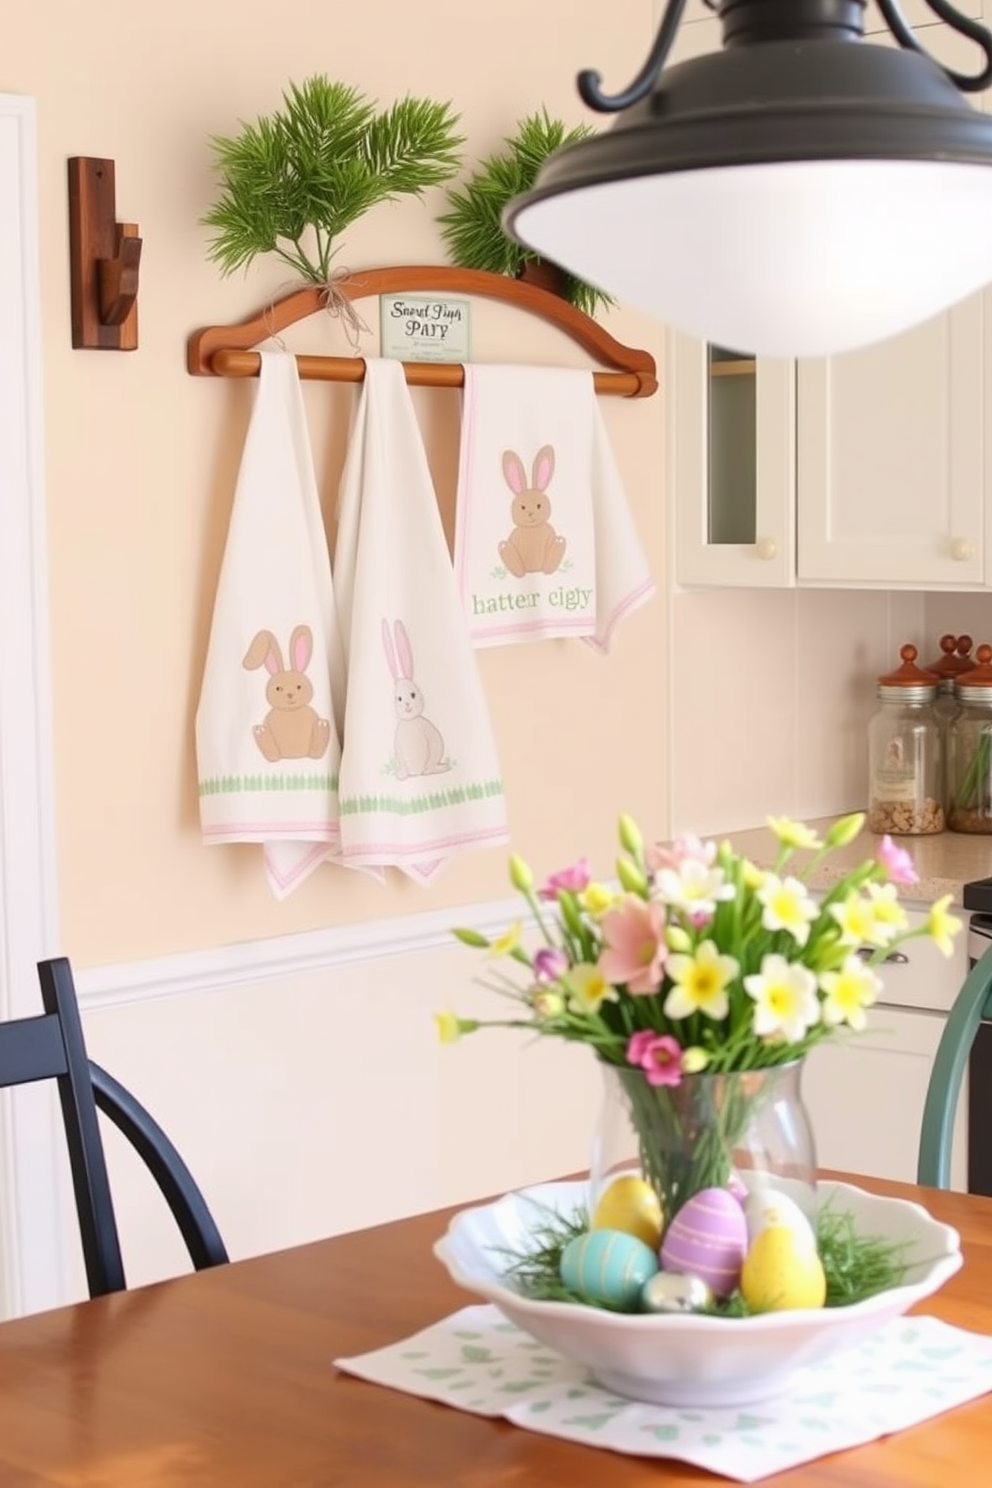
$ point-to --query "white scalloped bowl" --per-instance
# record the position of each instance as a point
(687, 1359)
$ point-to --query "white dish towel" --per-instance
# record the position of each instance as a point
(267, 725)
(545, 545)
(420, 775)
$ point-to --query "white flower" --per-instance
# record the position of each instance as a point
(787, 906)
(849, 991)
(890, 917)
(700, 982)
(785, 998)
(693, 887)
(860, 923)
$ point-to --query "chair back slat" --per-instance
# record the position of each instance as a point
(31, 1049)
(52, 1047)
(972, 1006)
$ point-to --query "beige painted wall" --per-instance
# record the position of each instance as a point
(141, 458)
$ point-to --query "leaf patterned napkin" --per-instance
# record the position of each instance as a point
(911, 1369)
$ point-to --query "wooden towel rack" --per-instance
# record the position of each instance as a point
(225, 351)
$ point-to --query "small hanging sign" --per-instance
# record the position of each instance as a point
(424, 328)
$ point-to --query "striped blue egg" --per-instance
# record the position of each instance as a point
(608, 1268)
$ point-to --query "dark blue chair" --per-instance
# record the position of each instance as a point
(51, 1047)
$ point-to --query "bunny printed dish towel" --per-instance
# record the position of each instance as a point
(545, 545)
(267, 726)
(420, 775)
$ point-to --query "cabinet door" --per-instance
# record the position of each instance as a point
(890, 442)
(731, 465)
(731, 446)
(865, 1097)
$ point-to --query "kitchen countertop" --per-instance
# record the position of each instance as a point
(945, 861)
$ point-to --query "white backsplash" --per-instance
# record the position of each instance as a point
(771, 692)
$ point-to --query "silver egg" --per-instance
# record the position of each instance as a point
(671, 1291)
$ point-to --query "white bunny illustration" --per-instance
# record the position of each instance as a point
(418, 748)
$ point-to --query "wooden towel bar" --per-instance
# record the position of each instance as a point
(227, 351)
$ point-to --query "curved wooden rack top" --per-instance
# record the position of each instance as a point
(225, 351)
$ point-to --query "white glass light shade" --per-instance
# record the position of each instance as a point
(800, 258)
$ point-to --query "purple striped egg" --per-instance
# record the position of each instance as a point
(708, 1238)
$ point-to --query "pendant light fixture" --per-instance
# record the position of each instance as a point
(801, 192)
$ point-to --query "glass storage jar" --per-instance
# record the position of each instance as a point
(905, 769)
(954, 660)
(969, 763)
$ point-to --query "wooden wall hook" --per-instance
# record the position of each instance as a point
(104, 258)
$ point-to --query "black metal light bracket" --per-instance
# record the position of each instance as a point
(748, 22)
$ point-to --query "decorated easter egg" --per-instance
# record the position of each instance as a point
(766, 1207)
(670, 1291)
(782, 1272)
(708, 1238)
(630, 1204)
(607, 1268)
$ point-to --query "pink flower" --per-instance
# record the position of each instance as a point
(635, 949)
(684, 848)
(897, 862)
(549, 964)
(574, 879)
(659, 1056)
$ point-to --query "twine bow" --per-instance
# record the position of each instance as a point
(334, 302)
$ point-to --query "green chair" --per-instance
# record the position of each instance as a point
(972, 1006)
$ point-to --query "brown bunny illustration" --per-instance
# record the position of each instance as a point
(533, 546)
(292, 729)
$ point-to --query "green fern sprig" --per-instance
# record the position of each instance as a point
(472, 226)
(291, 182)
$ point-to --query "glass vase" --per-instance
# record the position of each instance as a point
(742, 1130)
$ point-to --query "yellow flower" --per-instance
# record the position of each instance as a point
(597, 899)
(941, 926)
(859, 924)
(450, 1027)
(588, 988)
(849, 991)
(547, 1004)
(787, 906)
(694, 1060)
(889, 913)
(700, 982)
(508, 941)
(793, 834)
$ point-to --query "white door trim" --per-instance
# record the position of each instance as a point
(33, 1237)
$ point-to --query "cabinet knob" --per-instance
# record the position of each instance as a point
(766, 547)
(962, 549)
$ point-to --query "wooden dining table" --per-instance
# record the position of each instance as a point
(225, 1379)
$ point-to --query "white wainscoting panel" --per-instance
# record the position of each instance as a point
(303, 1082)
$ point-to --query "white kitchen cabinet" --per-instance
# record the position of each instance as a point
(865, 1092)
(862, 470)
(732, 467)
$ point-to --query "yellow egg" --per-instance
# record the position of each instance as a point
(630, 1204)
(782, 1272)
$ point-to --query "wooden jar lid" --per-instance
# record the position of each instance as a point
(980, 675)
(909, 674)
(955, 657)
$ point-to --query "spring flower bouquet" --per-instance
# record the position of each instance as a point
(698, 964)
